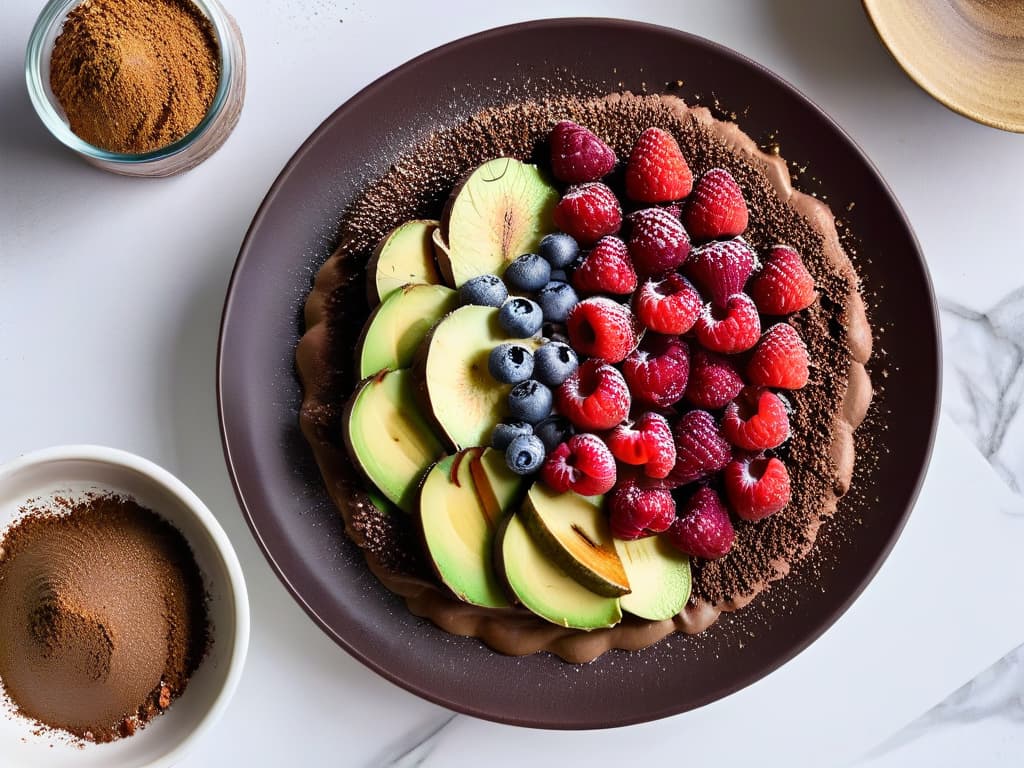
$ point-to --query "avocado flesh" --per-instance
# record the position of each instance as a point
(459, 532)
(464, 399)
(388, 438)
(500, 211)
(572, 530)
(659, 575)
(499, 488)
(404, 255)
(396, 328)
(544, 588)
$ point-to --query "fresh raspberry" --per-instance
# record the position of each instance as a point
(734, 328)
(668, 304)
(784, 285)
(578, 155)
(756, 487)
(583, 465)
(606, 269)
(657, 370)
(716, 208)
(721, 268)
(703, 528)
(588, 212)
(648, 443)
(635, 511)
(714, 380)
(602, 328)
(756, 420)
(595, 396)
(701, 450)
(657, 171)
(657, 241)
(779, 359)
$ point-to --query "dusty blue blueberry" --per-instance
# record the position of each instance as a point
(507, 431)
(510, 363)
(530, 401)
(525, 454)
(484, 291)
(556, 299)
(559, 276)
(554, 362)
(528, 272)
(554, 431)
(520, 318)
(559, 250)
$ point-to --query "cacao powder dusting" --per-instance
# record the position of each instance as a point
(134, 75)
(104, 615)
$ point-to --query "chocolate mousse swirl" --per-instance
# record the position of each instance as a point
(820, 454)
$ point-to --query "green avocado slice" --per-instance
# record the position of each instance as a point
(395, 329)
(388, 438)
(544, 588)
(404, 255)
(659, 575)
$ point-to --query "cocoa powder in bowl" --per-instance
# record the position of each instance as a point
(102, 615)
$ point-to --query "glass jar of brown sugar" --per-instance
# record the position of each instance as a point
(137, 87)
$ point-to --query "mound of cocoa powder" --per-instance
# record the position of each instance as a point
(102, 615)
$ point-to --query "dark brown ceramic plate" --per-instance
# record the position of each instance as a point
(281, 491)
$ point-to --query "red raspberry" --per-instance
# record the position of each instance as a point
(717, 208)
(784, 285)
(588, 212)
(657, 371)
(779, 359)
(703, 528)
(583, 465)
(635, 511)
(602, 328)
(577, 155)
(701, 451)
(721, 269)
(595, 396)
(756, 420)
(606, 269)
(756, 487)
(657, 241)
(714, 380)
(657, 171)
(736, 328)
(669, 304)
(648, 443)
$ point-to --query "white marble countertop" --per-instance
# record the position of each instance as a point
(130, 276)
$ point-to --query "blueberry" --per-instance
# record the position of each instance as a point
(529, 272)
(556, 299)
(559, 275)
(484, 291)
(530, 401)
(554, 431)
(553, 363)
(510, 363)
(559, 249)
(507, 431)
(525, 454)
(520, 318)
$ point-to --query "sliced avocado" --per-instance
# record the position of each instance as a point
(573, 531)
(459, 532)
(388, 438)
(659, 575)
(500, 211)
(396, 328)
(499, 488)
(404, 255)
(544, 588)
(451, 368)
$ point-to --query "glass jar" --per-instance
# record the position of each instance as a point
(177, 157)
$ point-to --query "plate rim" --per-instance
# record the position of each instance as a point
(352, 104)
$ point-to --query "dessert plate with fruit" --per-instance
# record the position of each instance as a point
(584, 381)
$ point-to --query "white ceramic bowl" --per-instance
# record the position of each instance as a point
(77, 468)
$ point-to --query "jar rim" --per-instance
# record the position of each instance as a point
(57, 10)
